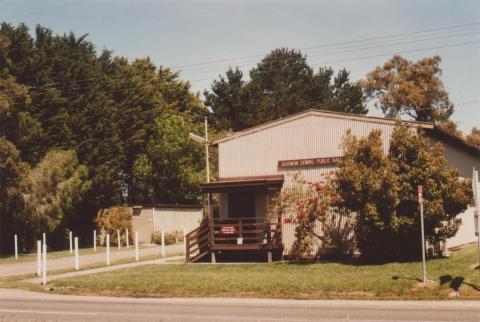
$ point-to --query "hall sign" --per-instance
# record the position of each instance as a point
(314, 162)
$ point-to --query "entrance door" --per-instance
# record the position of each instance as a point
(241, 204)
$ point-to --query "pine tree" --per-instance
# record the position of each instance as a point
(280, 85)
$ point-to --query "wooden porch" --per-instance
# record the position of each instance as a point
(241, 229)
(233, 235)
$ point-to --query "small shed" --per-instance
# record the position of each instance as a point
(147, 219)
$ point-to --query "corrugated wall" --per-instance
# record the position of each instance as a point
(457, 158)
(312, 136)
(288, 234)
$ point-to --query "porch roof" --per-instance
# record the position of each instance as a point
(243, 183)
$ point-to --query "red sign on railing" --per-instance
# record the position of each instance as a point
(228, 230)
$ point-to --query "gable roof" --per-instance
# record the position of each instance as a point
(314, 112)
(438, 131)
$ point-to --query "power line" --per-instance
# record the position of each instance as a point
(398, 52)
(476, 32)
(336, 44)
(113, 78)
(467, 102)
(376, 56)
(348, 51)
(355, 47)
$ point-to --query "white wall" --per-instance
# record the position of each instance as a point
(170, 220)
(167, 219)
(466, 232)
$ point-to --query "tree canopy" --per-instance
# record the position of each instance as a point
(281, 84)
(12, 187)
(403, 87)
(107, 113)
(474, 137)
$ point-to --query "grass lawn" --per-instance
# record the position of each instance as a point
(18, 281)
(350, 279)
(9, 259)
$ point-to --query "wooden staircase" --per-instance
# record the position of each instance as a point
(197, 243)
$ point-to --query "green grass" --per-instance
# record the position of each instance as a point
(9, 259)
(18, 281)
(349, 279)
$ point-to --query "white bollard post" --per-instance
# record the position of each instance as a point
(15, 240)
(163, 243)
(184, 241)
(94, 240)
(136, 246)
(153, 219)
(76, 254)
(39, 258)
(44, 265)
(107, 242)
(70, 240)
(126, 237)
(44, 238)
(118, 238)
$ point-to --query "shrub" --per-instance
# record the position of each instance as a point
(382, 190)
(320, 227)
(171, 238)
(111, 219)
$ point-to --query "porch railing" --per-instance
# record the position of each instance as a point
(231, 231)
(240, 231)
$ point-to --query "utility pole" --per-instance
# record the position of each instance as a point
(476, 211)
(207, 157)
(206, 144)
(420, 201)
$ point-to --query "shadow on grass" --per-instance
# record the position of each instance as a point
(456, 282)
(408, 278)
(351, 261)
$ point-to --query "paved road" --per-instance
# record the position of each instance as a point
(90, 259)
(19, 305)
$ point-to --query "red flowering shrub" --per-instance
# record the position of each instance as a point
(320, 227)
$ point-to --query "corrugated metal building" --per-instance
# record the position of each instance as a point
(253, 163)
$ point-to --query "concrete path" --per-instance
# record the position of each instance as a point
(166, 260)
(24, 268)
(20, 305)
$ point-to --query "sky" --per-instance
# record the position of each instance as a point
(201, 39)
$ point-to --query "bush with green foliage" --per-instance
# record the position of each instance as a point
(13, 174)
(58, 185)
(382, 190)
(39, 200)
(171, 238)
